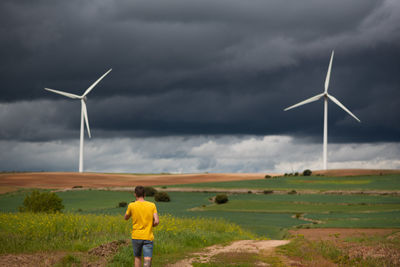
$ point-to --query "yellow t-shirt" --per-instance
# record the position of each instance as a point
(141, 213)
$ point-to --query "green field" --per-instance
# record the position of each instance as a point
(181, 205)
(192, 221)
(322, 183)
(26, 232)
(268, 215)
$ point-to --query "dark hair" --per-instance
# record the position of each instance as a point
(139, 191)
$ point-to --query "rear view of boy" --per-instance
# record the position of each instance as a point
(144, 218)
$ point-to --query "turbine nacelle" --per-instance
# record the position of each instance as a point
(325, 94)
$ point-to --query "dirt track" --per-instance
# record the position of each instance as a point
(248, 246)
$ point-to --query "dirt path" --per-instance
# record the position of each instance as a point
(246, 246)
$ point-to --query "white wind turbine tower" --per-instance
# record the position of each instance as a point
(84, 115)
(325, 95)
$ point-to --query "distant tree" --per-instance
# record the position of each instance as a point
(267, 176)
(307, 172)
(122, 204)
(42, 202)
(221, 199)
(149, 191)
(296, 174)
(162, 197)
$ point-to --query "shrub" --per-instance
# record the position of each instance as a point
(149, 191)
(293, 192)
(162, 197)
(42, 202)
(307, 172)
(122, 204)
(249, 192)
(296, 174)
(298, 215)
(221, 199)
(267, 176)
(268, 192)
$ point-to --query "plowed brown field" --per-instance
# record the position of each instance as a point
(95, 180)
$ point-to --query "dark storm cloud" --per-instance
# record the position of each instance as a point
(199, 67)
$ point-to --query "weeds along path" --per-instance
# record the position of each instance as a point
(241, 246)
(96, 257)
(31, 259)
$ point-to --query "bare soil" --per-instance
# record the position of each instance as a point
(96, 257)
(317, 234)
(31, 259)
(97, 180)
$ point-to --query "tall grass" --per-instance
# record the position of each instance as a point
(27, 232)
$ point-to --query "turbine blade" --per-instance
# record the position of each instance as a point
(342, 106)
(312, 99)
(95, 83)
(73, 96)
(85, 115)
(328, 74)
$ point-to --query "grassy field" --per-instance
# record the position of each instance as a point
(267, 215)
(26, 232)
(192, 221)
(181, 205)
(384, 182)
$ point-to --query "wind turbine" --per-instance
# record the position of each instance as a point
(326, 96)
(84, 115)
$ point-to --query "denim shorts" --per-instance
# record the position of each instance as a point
(142, 245)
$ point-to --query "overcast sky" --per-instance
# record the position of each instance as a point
(199, 86)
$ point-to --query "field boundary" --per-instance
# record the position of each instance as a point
(244, 191)
(279, 192)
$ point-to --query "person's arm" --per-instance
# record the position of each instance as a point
(156, 221)
(127, 214)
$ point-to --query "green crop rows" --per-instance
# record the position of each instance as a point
(268, 215)
(386, 182)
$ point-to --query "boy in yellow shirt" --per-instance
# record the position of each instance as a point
(144, 218)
